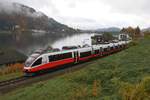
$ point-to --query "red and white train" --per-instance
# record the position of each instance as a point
(49, 60)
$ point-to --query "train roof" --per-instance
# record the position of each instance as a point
(62, 51)
(84, 48)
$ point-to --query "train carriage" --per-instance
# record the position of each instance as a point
(49, 60)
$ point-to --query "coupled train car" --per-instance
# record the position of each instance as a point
(49, 60)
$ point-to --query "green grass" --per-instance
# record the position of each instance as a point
(130, 66)
(10, 76)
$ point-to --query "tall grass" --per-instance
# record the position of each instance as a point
(96, 89)
(12, 68)
(139, 91)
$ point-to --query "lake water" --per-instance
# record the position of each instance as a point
(79, 39)
(74, 40)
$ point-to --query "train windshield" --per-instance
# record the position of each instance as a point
(30, 60)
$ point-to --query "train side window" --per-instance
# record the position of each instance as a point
(112, 48)
(51, 58)
(105, 49)
(60, 56)
(37, 62)
(68, 55)
(85, 54)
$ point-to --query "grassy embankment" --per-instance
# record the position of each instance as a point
(122, 76)
(11, 71)
(10, 63)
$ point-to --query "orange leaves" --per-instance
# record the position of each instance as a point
(12, 68)
(96, 89)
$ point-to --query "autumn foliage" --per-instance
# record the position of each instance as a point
(12, 68)
(133, 32)
(140, 91)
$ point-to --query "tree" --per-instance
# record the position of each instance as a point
(132, 32)
(108, 36)
(123, 30)
(137, 31)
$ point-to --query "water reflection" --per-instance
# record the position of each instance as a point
(28, 44)
(79, 39)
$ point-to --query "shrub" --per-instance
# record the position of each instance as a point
(79, 93)
(140, 91)
(134, 43)
(96, 89)
(12, 68)
(146, 85)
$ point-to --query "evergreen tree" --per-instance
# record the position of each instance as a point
(137, 31)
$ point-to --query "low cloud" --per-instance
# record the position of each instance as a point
(11, 7)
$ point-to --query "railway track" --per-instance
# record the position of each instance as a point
(12, 81)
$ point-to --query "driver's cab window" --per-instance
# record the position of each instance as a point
(37, 62)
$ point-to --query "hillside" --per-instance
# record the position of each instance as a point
(101, 30)
(15, 15)
(25, 29)
(119, 77)
(110, 29)
(146, 29)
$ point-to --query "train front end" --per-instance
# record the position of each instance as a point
(28, 63)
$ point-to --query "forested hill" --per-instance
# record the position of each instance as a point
(14, 16)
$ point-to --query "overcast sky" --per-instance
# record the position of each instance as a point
(88, 14)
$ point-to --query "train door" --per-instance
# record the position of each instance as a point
(76, 56)
(101, 51)
(108, 50)
(93, 51)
